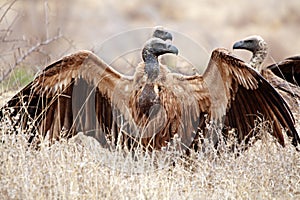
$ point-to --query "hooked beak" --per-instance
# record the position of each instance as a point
(249, 44)
(172, 49)
(168, 36)
(239, 45)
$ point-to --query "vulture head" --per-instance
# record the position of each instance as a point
(152, 49)
(288, 69)
(161, 33)
(257, 46)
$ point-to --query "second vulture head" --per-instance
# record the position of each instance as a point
(257, 46)
(252, 43)
(163, 34)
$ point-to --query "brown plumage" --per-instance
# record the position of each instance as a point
(283, 75)
(288, 69)
(149, 108)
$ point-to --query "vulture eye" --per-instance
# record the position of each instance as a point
(159, 88)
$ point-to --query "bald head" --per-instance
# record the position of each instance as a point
(161, 33)
(257, 46)
(252, 43)
(157, 47)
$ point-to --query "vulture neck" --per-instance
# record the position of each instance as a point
(151, 65)
(258, 58)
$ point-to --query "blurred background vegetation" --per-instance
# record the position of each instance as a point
(34, 33)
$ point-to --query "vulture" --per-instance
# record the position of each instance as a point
(284, 76)
(80, 92)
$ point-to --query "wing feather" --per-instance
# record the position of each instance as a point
(289, 91)
(289, 69)
(64, 95)
(234, 95)
(245, 94)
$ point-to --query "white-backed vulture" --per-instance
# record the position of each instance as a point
(152, 106)
(284, 81)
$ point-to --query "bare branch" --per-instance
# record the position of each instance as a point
(34, 48)
(9, 30)
(6, 11)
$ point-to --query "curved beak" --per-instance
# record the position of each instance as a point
(168, 36)
(239, 45)
(172, 49)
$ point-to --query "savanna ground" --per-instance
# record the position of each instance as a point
(34, 33)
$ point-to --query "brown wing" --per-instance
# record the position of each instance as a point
(62, 99)
(235, 96)
(249, 96)
(289, 69)
(289, 91)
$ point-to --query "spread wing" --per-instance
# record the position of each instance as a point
(249, 96)
(61, 100)
(289, 69)
(236, 96)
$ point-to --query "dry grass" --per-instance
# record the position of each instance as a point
(81, 169)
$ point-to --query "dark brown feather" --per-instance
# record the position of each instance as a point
(289, 69)
(253, 96)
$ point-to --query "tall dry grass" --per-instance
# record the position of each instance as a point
(81, 169)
